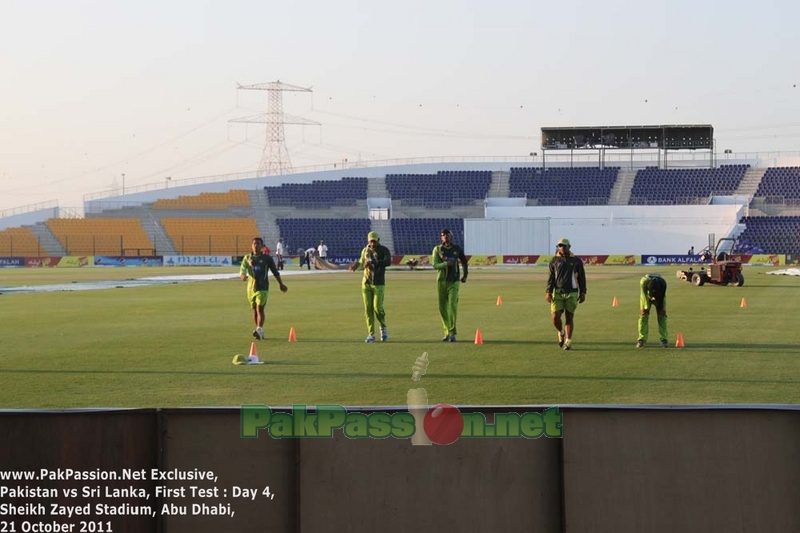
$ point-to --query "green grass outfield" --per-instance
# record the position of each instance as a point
(172, 345)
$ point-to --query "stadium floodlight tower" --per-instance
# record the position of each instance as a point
(275, 157)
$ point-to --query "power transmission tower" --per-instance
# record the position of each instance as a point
(275, 157)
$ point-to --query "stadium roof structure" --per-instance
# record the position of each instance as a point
(602, 138)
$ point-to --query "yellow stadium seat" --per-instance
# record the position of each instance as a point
(211, 236)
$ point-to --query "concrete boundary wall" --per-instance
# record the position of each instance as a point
(615, 469)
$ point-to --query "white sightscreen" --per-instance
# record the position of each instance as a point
(507, 236)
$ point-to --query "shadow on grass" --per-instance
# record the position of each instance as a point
(481, 376)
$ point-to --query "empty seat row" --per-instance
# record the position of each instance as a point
(101, 236)
(418, 236)
(319, 193)
(206, 200)
(344, 237)
(772, 234)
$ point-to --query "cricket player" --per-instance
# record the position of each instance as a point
(255, 268)
(445, 258)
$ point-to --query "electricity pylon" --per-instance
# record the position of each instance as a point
(275, 158)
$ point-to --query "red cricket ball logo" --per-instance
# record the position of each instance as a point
(443, 424)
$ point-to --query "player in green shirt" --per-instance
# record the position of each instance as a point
(445, 258)
(374, 259)
(652, 292)
(255, 270)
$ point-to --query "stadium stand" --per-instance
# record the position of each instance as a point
(446, 188)
(101, 236)
(418, 236)
(654, 186)
(344, 237)
(781, 184)
(318, 194)
(563, 186)
(206, 200)
(19, 242)
(770, 234)
(211, 236)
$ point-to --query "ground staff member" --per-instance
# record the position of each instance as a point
(255, 268)
(652, 291)
(445, 258)
(566, 288)
(374, 259)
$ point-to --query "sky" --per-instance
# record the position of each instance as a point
(94, 90)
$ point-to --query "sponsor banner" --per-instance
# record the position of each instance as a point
(481, 260)
(41, 262)
(342, 260)
(544, 260)
(75, 261)
(591, 260)
(198, 260)
(402, 260)
(628, 260)
(654, 259)
(70, 261)
(520, 259)
(764, 259)
(793, 259)
(122, 261)
(11, 262)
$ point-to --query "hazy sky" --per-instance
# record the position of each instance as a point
(90, 90)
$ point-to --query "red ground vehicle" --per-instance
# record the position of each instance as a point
(722, 270)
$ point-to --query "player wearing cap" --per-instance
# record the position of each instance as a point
(652, 291)
(255, 268)
(446, 258)
(566, 288)
(374, 259)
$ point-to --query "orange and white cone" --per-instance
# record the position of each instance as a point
(499, 300)
(614, 302)
(679, 341)
(292, 335)
(478, 337)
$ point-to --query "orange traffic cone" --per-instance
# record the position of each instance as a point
(679, 341)
(499, 300)
(744, 303)
(614, 303)
(478, 337)
(292, 336)
(253, 350)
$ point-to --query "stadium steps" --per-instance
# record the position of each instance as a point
(499, 188)
(376, 188)
(161, 241)
(750, 182)
(621, 191)
(265, 218)
(384, 229)
(47, 240)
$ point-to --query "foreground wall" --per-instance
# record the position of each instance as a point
(621, 470)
